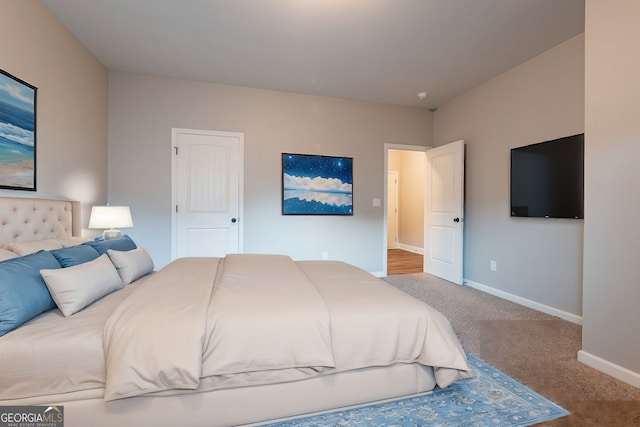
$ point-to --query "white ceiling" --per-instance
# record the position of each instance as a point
(372, 50)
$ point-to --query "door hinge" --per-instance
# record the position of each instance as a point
(176, 208)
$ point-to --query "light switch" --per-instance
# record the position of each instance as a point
(376, 202)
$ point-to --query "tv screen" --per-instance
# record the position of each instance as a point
(547, 179)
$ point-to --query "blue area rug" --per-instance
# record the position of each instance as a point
(489, 399)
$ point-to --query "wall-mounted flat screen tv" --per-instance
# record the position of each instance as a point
(547, 179)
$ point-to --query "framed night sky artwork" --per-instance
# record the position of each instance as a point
(317, 185)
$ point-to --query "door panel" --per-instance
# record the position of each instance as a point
(444, 207)
(442, 247)
(209, 171)
(207, 242)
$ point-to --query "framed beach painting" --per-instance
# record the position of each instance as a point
(17, 133)
(317, 185)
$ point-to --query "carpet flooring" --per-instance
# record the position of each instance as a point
(534, 348)
(489, 398)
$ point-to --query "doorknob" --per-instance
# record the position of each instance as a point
(233, 220)
(456, 219)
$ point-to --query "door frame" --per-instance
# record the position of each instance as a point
(174, 183)
(387, 147)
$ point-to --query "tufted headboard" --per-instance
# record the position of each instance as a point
(27, 219)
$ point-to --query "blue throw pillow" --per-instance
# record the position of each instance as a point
(122, 244)
(23, 293)
(74, 255)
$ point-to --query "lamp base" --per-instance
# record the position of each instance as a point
(112, 234)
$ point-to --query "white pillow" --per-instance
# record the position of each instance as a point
(131, 264)
(26, 248)
(72, 241)
(74, 288)
(5, 254)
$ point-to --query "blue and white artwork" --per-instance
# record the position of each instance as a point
(317, 185)
(17, 133)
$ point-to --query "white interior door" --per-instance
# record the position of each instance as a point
(207, 193)
(392, 209)
(444, 208)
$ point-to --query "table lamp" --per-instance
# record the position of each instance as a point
(110, 218)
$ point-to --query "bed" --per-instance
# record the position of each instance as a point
(205, 341)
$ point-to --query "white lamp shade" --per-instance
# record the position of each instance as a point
(110, 217)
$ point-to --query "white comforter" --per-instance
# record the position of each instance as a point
(207, 323)
(204, 324)
(253, 327)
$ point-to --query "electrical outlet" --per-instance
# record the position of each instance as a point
(325, 255)
(493, 265)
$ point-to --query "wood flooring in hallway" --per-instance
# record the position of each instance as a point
(403, 262)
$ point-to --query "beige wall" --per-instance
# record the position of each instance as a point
(71, 133)
(612, 150)
(143, 109)
(411, 199)
(410, 166)
(539, 260)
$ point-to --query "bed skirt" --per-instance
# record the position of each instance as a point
(244, 405)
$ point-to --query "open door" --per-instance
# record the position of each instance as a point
(444, 209)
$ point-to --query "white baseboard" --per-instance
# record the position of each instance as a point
(409, 248)
(609, 368)
(574, 318)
